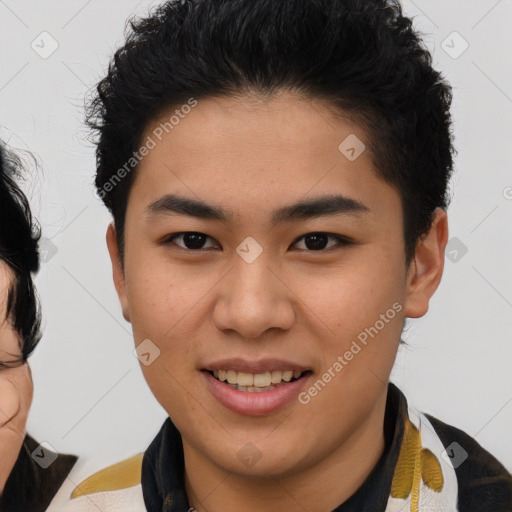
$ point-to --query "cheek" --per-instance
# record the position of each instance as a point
(15, 399)
(348, 298)
(23, 382)
(10, 400)
(16, 390)
(159, 302)
(357, 313)
(162, 296)
(152, 300)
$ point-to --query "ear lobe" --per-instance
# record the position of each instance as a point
(117, 270)
(426, 269)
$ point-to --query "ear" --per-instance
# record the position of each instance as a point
(117, 270)
(426, 269)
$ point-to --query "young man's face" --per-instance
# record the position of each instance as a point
(15, 385)
(217, 303)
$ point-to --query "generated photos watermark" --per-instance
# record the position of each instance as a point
(355, 347)
(150, 143)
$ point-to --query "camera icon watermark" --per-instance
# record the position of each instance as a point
(352, 147)
(454, 45)
(249, 454)
(455, 249)
(44, 45)
(249, 249)
(146, 352)
(454, 455)
(45, 455)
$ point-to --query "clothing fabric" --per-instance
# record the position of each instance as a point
(426, 465)
(115, 488)
(35, 479)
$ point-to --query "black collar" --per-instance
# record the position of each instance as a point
(29, 486)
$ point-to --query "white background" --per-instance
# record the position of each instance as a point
(90, 397)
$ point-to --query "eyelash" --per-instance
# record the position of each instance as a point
(6, 365)
(342, 241)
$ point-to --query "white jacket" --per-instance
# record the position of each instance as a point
(116, 488)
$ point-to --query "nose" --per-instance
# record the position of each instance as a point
(253, 299)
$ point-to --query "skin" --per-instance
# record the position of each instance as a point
(16, 387)
(252, 156)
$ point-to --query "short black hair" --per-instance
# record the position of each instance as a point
(362, 57)
(19, 239)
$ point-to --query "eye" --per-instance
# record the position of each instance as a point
(318, 241)
(192, 240)
(5, 365)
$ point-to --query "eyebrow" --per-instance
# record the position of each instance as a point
(302, 210)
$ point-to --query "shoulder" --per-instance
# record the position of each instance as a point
(119, 476)
(483, 482)
(112, 489)
(39, 469)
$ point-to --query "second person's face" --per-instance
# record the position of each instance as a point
(15, 385)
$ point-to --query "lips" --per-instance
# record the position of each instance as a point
(255, 387)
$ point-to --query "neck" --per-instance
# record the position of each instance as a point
(319, 487)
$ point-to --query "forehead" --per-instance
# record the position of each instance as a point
(256, 151)
(285, 125)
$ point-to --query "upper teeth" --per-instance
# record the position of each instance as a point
(259, 379)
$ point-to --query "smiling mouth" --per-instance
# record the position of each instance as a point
(259, 382)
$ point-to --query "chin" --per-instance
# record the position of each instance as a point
(255, 460)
